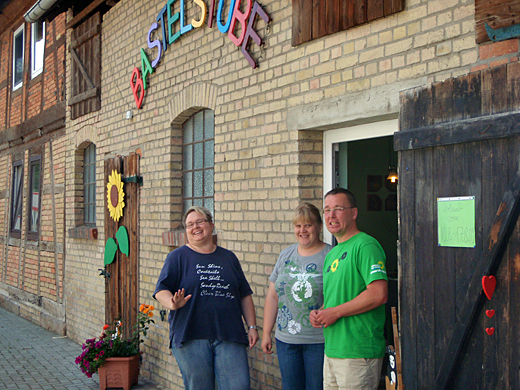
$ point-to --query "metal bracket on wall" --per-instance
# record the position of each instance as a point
(501, 34)
(133, 179)
(104, 273)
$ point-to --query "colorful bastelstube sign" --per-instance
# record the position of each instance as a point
(173, 25)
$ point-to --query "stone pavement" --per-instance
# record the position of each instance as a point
(34, 358)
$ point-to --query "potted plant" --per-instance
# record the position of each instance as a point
(114, 358)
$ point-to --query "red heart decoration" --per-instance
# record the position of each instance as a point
(488, 285)
(490, 313)
(138, 84)
(490, 331)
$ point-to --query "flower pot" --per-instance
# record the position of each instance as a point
(119, 372)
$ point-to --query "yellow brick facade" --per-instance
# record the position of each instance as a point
(269, 129)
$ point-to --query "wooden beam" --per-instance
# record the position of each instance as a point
(486, 264)
(51, 115)
(84, 14)
(93, 92)
(467, 130)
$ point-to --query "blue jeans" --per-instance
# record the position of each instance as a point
(204, 361)
(301, 365)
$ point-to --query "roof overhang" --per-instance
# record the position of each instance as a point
(38, 10)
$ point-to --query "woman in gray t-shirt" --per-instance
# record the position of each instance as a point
(296, 288)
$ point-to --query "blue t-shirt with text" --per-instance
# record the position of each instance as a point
(217, 285)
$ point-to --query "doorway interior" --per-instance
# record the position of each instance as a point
(360, 158)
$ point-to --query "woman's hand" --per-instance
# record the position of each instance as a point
(253, 337)
(267, 343)
(179, 300)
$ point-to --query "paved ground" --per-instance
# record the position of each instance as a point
(34, 358)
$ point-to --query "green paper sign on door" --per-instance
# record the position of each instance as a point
(456, 221)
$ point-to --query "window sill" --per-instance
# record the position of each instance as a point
(35, 80)
(174, 238)
(84, 233)
(16, 92)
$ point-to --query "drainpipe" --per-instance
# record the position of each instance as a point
(38, 9)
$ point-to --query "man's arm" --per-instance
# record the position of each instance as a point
(374, 296)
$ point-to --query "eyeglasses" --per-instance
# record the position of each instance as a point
(199, 222)
(336, 209)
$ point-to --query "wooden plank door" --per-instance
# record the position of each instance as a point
(121, 288)
(460, 137)
(85, 50)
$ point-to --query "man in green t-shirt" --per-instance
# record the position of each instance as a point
(355, 289)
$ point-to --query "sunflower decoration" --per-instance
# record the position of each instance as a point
(115, 196)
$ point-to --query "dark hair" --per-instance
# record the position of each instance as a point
(350, 196)
(308, 212)
(198, 209)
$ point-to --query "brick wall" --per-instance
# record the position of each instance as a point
(31, 270)
(267, 160)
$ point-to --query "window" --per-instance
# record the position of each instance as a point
(85, 51)
(316, 19)
(18, 45)
(16, 198)
(37, 47)
(89, 185)
(198, 160)
(34, 196)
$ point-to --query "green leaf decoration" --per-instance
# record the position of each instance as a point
(122, 240)
(110, 250)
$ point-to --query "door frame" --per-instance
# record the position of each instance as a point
(346, 134)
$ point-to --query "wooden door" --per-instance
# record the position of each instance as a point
(460, 137)
(121, 287)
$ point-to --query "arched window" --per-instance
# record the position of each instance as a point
(89, 185)
(198, 160)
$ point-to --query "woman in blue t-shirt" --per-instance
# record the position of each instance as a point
(207, 293)
(296, 288)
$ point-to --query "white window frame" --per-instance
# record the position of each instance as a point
(332, 138)
(20, 30)
(37, 50)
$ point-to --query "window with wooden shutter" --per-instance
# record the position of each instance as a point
(85, 51)
(500, 15)
(314, 19)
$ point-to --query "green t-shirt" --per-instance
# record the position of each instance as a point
(348, 269)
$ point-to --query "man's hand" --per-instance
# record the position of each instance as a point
(324, 317)
(313, 318)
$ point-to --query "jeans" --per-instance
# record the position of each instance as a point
(301, 365)
(204, 361)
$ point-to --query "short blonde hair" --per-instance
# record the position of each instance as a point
(307, 212)
(198, 209)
